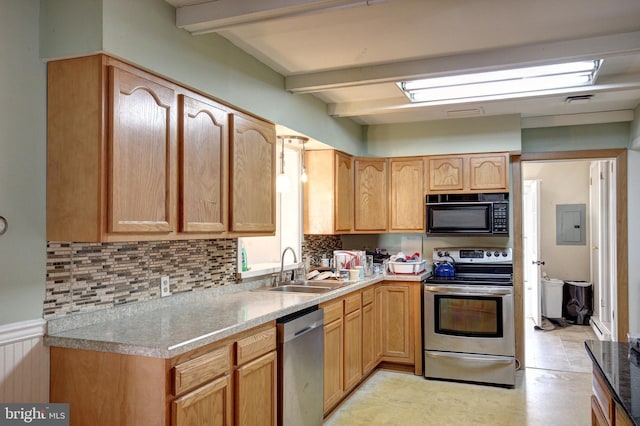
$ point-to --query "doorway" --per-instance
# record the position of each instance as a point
(617, 251)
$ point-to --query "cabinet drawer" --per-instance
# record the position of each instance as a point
(201, 369)
(258, 344)
(367, 296)
(332, 311)
(352, 303)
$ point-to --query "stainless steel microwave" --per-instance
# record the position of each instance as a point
(468, 214)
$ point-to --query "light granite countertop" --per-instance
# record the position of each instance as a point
(164, 328)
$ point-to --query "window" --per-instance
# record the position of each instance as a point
(264, 253)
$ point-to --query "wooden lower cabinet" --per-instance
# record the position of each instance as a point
(333, 354)
(377, 323)
(229, 382)
(352, 346)
(209, 404)
(370, 330)
(256, 392)
(401, 340)
(605, 411)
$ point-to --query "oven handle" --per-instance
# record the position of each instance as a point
(469, 291)
(501, 359)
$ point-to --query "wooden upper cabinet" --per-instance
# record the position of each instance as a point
(328, 193)
(203, 146)
(252, 175)
(446, 174)
(140, 147)
(111, 152)
(406, 203)
(343, 192)
(371, 196)
(132, 156)
(489, 172)
(468, 173)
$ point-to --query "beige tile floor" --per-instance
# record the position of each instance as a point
(554, 390)
(560, 349)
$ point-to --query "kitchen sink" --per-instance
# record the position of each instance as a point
(294, 288)
(310, 286)
(320, 283)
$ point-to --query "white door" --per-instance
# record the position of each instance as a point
(602, 234)
(531, 245)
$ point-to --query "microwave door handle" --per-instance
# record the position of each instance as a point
(458, 291)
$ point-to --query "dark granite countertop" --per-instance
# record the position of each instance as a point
(621, 368)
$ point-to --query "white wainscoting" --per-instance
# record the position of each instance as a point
(24, 362)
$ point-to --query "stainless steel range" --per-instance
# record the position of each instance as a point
(468, 316)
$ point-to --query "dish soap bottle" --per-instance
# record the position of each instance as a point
(245, 265)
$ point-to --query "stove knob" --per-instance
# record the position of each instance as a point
(488, 254)
(504, 254)
(496, 254)
(439, 253)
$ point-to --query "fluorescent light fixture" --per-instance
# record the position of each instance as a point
(502, 83)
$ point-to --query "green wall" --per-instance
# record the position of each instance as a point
(481, 134)
(570, 138)
(22, 162)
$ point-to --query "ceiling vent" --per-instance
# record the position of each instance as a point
(468, 112)
(579, 99)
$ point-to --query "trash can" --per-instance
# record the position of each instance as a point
(552, 297)
(577, 302)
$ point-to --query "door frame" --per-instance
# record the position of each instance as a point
(622, 234)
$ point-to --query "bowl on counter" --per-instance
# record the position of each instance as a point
(407, 267)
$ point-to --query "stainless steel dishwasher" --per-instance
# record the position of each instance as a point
(300, 368)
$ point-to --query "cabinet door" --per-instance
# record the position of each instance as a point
(378, 324)
(352, 348)
(489, 172)
(343, 192)
(209, 404)
(141, 143)
(597, 416)
(396, 324)
(203, 142)
(622, 419)
(333, 363)
(370, 195)
(446, 174)
(407, 195)
(256, 392)
(369, 358)
(253, 175)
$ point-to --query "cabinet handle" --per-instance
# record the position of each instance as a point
(208, 201)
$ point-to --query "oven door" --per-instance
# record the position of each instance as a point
(469, 318)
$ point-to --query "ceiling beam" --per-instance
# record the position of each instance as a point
(381, 106)
(213, 16)
(489, 60)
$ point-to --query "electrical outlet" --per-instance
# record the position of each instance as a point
(165, 290)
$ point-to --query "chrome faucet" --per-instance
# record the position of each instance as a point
(295, 260)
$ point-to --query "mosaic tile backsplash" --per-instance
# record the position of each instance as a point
(84, 277)
(314, 247)
(88, 276)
